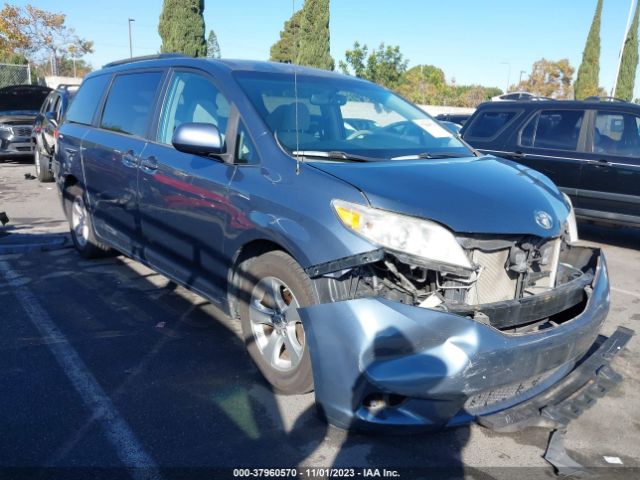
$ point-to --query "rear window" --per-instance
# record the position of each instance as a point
(129, 104)
(86, 101)
(553, 129)
(489, 124)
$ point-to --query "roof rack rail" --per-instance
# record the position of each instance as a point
(67, 86)
(596, 98)
(157, 56)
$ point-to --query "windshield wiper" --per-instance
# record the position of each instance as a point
(430, 156)
(334, 155)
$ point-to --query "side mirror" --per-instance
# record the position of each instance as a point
(198, 139)
(51, 116)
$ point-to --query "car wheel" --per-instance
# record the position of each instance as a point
(81, 226)
(271, 288)
(43, 166)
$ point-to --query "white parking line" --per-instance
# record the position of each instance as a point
(124, 441)
(626, 292)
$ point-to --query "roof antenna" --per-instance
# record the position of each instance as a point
(295, 85)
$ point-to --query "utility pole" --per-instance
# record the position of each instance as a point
(130, 44)
(624, 39)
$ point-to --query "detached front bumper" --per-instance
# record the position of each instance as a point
(377, 363)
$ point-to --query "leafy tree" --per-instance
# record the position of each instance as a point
(549, 79)
(385, 65)
(181, 27)
(423, 84)
(213, 47)
(589, 71)
(314, 38)
(629, 63)
(285, 50)
(39, 35)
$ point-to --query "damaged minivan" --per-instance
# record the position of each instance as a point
(370, 255)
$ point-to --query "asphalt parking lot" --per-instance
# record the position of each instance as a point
(106, 364)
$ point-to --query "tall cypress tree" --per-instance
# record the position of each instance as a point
(213, 47)
(315, 48)
(181, 27)
(285, 50)
(587, 83)
(629, 63)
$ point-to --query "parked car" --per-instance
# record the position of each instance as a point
(19, 105)
(517, 96)
(409, 282)
(452, 127)
(459, 118)
(45, 128)
(590, 149)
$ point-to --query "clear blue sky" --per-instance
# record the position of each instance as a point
(468, 39)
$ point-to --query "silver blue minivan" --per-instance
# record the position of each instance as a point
(369, 254)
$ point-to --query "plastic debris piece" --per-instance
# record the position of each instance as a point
(614, 460)
(557, 456)
(3, 218)
(28, 176)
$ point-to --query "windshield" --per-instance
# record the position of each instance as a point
(345, 115)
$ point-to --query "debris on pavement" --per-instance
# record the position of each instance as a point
(3, 218)
(28, 176)
(613, 460)
(560, 460)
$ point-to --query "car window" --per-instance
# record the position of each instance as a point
(553, 129)
(86, 101)
(129, 103)
(192, 98)
(245, 149)
(617, 134)
(489, 124)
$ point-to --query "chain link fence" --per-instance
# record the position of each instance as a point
(14, 74)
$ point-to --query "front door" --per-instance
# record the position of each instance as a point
(183, 197)
(610, 184)
(112, 155)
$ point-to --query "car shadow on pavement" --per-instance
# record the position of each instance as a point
(618, 236)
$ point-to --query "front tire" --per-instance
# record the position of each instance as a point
(43, 165)
(81, 225)
(271, 288)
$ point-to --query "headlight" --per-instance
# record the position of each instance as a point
(572, 225)
(403, 234)
(5, 128)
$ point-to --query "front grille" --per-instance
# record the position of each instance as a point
(22, 131)
(483, 400)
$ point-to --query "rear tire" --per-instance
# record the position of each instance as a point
(269, 288)
(43, 165)
(81, 226)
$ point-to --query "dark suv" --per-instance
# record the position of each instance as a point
(407, 280)
(19, 105)
(590, 149)
(45, 129)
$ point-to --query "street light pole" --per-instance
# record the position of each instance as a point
(624, 39)
(521, 72)
(508, 64)
(130, 44)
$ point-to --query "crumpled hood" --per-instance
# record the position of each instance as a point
(469, 195)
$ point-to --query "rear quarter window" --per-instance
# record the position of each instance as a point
(87, 99)
(490, 123)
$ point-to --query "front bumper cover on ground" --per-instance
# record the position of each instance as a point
(378, 363)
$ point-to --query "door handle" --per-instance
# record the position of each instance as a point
(517, 155)
(599, 163)
(149, 165)
(129, 159)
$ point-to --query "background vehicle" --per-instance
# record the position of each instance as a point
(517, 96)
(389, 269)
(590, 149)
(45, 129)
(458, 118)
(19, 105)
